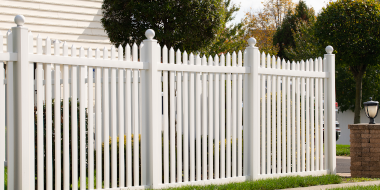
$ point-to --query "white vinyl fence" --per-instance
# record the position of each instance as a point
(228, 118)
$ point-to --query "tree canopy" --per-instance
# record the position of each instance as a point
(283, 36)
(353, 29)
(182, 24)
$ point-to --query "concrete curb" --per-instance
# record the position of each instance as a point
(367, 183)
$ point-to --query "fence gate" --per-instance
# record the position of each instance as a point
(147, 116)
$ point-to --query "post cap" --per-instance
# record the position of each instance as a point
(252, 41)
(19, 20)
(149, 34)
(329, 49)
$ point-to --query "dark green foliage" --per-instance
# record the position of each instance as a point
(353, 29)
(182, 24)
(284, 36)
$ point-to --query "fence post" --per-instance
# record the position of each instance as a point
(23, 119)
(153, 94)
(254, 108)
(330, 110)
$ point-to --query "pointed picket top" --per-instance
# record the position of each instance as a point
(204, 60)
(191, 58)
(316, 64)
(56, 47)
(234, 59)
(222, 60)
(105, 53)
(113, 52)
(171, 55)
(288, 65)
(197, 60)
(127, 52)
(73, 51)
(210, 60)
(320, 64)
(283, 64)
(30, 43)
(268, 61)
(178, 57)
(89, 53)
(81, 52)
(134, 52)
(39, 44)
(293, 65)
(9, 41)
(48, 46)
(240, 59)
(307, 65)
(228, 60)
(311, 62)
(302, 65)
(216, 60)
(65, 49)
(97, 53)
(274, 62)
(185, 58)
(263, 60)
(120, 51)
(165, 54)
(278, 63)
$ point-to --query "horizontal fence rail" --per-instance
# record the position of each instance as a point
(146, 116)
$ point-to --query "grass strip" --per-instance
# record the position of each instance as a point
(342, 150)
(268, 184)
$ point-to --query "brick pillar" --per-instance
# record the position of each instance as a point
(365, 150)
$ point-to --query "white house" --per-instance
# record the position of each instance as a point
(74, 21)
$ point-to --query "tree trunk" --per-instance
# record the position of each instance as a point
(358, 96)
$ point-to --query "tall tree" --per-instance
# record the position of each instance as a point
(182, 24)
(284, 37)
(277, 9)
(230, 37)
(353, 29)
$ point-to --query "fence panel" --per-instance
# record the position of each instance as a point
(246, 115)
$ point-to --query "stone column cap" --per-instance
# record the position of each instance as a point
(364, 126)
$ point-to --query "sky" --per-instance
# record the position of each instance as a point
(246, 5)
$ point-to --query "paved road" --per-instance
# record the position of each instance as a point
(343, 164)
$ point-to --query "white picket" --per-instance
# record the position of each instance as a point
(307, 107)
(135, 107)
(74, 122)
(321, 87)
(165, 115)
(288, 126)
(204, 121)
(113, 115)
(210, 120)
(2, 115)
(179, 118)
(66, 92)
(312, 132)
(228, 119)
(246, 118)
(263, 119)
(48, 107)
(128, 118)
(185, 105)
(293, 126)
(172, 117)
(222, 120)
(198, 109)
(274, 79)
(298, 120)
(192, 120)
(239, 118)
(234, 115)
(279, 151)
(269, 112)
(216, 119)
(98, 121)
(90, 112)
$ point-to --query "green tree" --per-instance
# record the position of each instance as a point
(229, 38)
(182, 24)
(353, 29)
(284, 34)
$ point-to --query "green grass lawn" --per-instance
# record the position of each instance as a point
(268, 184)
(342, 150)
